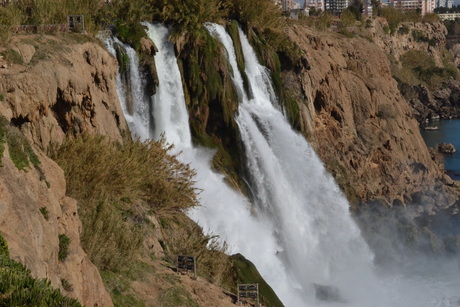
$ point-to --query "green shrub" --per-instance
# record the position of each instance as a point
(19, 288)
(64, 242)
(421, 37)
(106, 177)
(187, 17)
(175, 297)
(44, 212)
(12, 56)
(404, 30)
(21, 153)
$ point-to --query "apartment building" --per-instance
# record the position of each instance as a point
(316, 4)
(336, 7)
(425, 6)
(444, 3)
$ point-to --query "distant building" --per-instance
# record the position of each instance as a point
(449, 16)
(336, 7)
(315, 4)
(425, 6)
(288, 5)
(367, 8)
(444, 3)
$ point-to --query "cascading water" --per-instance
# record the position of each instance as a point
(305, 209)
(134, 102)
(298, 231)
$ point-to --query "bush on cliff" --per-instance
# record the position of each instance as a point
(19, 288)
(106, 177)
(417, 67)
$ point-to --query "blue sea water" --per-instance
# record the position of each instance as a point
(448, 132)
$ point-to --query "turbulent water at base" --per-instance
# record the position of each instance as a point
(297, 229)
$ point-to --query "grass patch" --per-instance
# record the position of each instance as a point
(419, 36)
(19, 288)
(175, 297)
(2, 97)
(243, 271)
(118, 285)
(44, 212)
(417, 67)
(12, 56)
(21, 153)
(64, 242)
(106, 177)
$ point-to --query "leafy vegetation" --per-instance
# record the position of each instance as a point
(64, 242)
(106, 177)
(12, 56)
(21, 153)
(118, 186)
(419, 36)
(176, 296)
(395, 16)
(418, 67)
(44, 212)
(19, 288)
(243, 271)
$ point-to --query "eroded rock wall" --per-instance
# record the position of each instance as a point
(58, 86)
(65, 85)
(359, 123)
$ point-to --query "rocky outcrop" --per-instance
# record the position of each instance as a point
(34, 211)
(446, 148)
(358, 121)
(424, 36)
(60, 87)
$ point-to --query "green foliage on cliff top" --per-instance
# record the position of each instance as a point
(19, 288)
(395, 16)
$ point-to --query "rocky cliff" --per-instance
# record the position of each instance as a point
(361, 126)
(52, 87)
(58, 86)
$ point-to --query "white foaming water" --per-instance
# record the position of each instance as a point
(299, 231)
(224, 211)
(169, 109)
(294, 195)
(135, 107)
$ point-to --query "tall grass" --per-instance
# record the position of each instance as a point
(107, 177)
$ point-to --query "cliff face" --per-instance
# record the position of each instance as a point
(52, 86)
(34, 212)
(61, 86)
(359, 123)
(424, 36)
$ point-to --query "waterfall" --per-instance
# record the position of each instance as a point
(134, 103)
(318, 240)
(297, 228)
